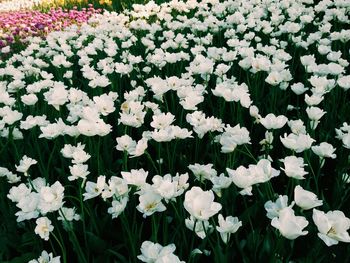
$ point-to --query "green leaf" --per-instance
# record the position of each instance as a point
(117, 255)
(95, 243)
(23, 259)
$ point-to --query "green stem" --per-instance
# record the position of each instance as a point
(170, 158)
(313, 173)
(180, 219)
(61, 246)
(82, 213)
(152, 162)
(159, 158)
(154, 229)
(125, 161)
(74, 240)
(49, 161)
(126, 225)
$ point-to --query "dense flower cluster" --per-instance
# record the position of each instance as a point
(69, 4)
(21, 5)
(16, 27)
(195, 118)
(10, 5)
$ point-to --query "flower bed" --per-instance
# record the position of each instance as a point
(16, 27)
(6, 6)
(197, 132)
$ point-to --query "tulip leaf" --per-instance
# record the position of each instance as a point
(95, 243)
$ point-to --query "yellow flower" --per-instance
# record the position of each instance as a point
(106, 2)
(60, 2)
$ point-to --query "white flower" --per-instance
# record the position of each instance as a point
(94, 189)
(230, 90)
(53, 130)
(43, 227)
(297, 127)
(267, 141)
(232, 137)
(294, 167)
(202, 125)
(274, 78)
(156, 253)
(261, 63)
(158, 86)
(273, 208)
(344, 134)
(132, 113)
(79, 155)
(289, 225)
(19, 192)
(140, 148)
(135, 177)
(150, 203)
(201, 65)
(126, 143)
(163, 135)
(37, 184)
(181, 133)
(104, 104)
(78, 171)
(51, 198)
(298, 88)
(5, 50)
(227, 227)
(254, 112)
(273, 122)
(162, 120)
(200, 204)
(29, 99)
(263, 171)
(32, 121)
(344, 82)
(220, 182)
(315, 113)
(203, 171)
(118, 207)
(10, 116)
(4, 171)
(68, 214)
(199, 227)
(57, 95)
(24, 164)
(46, 258)
(117, 187)
(29, 207)
(315, 99)
(169, 258)
(321, 84)
(150, 251)
(166, 187)
(242, 178)
(297, 143)
(332, 226)
(324, 150)
(75, 152)
(67, 150)
(305, 199)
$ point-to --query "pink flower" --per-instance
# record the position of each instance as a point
(17, 26)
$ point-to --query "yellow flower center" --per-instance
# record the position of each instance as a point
(150, 206)
(331, 231)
